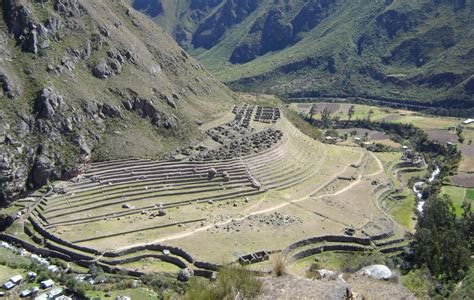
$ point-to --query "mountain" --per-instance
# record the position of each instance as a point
(399, 50)
(84, 80)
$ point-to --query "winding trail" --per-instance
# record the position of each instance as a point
(381, 169)
(259, 212)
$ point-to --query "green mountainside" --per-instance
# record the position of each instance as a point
(92, 80)
(399, 50)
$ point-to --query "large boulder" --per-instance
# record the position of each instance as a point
(110, 111)
(102, 70)
(84, 148)
(185, 274)
(48, 103)
(377, 272)
(211, 173)
(42, 170)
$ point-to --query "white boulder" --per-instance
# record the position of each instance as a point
(376, 271)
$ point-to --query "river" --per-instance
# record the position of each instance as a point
(418, 188)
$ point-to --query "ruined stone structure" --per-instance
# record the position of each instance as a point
(267, 114)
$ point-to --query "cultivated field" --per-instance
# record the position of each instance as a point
(440, 129)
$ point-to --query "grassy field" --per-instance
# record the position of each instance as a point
(139, 293)
(402, 210)
(152, 265)
(7, 272)
(328, 260)
(377, 113)
(458, 195)
(440, 129)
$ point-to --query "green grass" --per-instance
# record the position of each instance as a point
(302, 125)
(325, 260)
(470, 194)
(139, 293)
(419, 283)
(153, 265)
(458, 195)
(7, 272)
(402, 210)
(379, 113)
(10, 259)
(231, 281)
(335, 261)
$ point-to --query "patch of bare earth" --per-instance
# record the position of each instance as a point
(356, 286)
(364, 287)
(464, 180)
(442, 135)
(391, 118)
(372, 134)
(291, 287)
(304, 107)
(467, 163)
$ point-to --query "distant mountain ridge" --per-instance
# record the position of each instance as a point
(391, 49)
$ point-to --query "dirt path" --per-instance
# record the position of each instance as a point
(259, 212)
(380, 166)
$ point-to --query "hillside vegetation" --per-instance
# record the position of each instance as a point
(91, 80)
(398, 50)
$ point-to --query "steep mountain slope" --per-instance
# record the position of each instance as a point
(392, 49)
(84, 80)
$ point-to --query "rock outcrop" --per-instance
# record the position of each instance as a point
(87, 73)
(13, 177)
(48, 103)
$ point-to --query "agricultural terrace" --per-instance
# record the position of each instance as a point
(256, 184)
(445, 130)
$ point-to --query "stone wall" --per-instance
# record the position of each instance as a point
(313, 251)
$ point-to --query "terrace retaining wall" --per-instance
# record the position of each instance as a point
(207, 266)
(154, 247)
(324, 248)
(329, 238)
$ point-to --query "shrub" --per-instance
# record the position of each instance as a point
(419, 283)
(356, 261)
(199, 288)
(279, 264)
(231, 282)
(466, 288)
(313, 271)
(160, 283)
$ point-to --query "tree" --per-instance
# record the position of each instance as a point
(351, 112)
(369, 115)
(313, 111)
(440, 241)
(366, 136)
(460, 134)
(326, 118)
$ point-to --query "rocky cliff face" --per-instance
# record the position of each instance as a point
(83, 80)
(401, 50)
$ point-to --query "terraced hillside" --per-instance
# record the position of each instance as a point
(287, 193)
